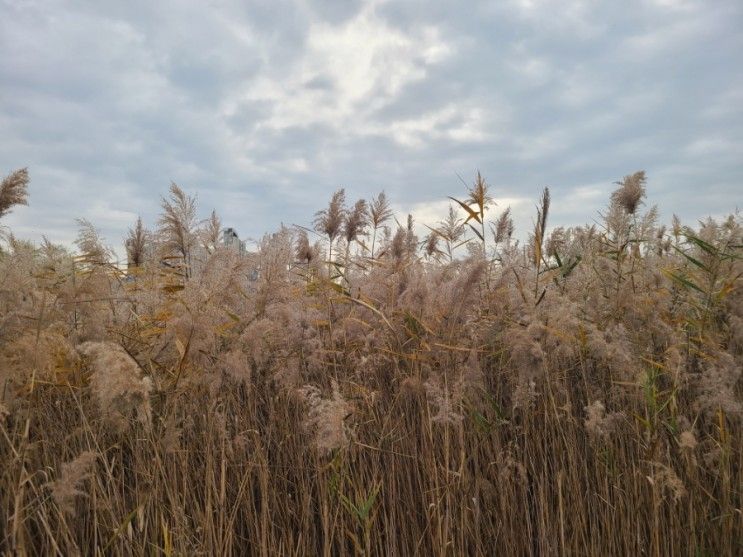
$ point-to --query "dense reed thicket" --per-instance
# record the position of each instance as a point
(373, 393)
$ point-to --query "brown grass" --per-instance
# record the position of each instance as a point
(581, 394)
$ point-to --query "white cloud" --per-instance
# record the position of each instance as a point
(366, 56)
(587, 194)
(366, 64)
(679, 5)
(715, 146)
(102, 213)
(457, 123)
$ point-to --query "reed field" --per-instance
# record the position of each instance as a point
(352, 388)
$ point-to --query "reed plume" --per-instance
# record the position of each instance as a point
(13, 190)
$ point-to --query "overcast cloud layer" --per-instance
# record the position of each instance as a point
(266, 107)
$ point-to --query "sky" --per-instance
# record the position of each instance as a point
(263, 108)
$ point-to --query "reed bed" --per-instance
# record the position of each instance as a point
(352, 389)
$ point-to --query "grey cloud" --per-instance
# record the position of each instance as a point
(321, 83)
(108, 103)
(335, 11)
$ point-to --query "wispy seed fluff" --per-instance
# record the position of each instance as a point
(117, 383)
(67, 487)
(326, 417)
(631, 191)
(666, 479)
(445, 402)
(598, 423)
(687, 440)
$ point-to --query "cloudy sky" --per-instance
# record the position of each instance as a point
(265, 107)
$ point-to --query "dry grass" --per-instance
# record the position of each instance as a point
(578, 395)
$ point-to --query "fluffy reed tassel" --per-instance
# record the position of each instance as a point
(67, 487)
(117, 383)
(13, 190)
(326, 417)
